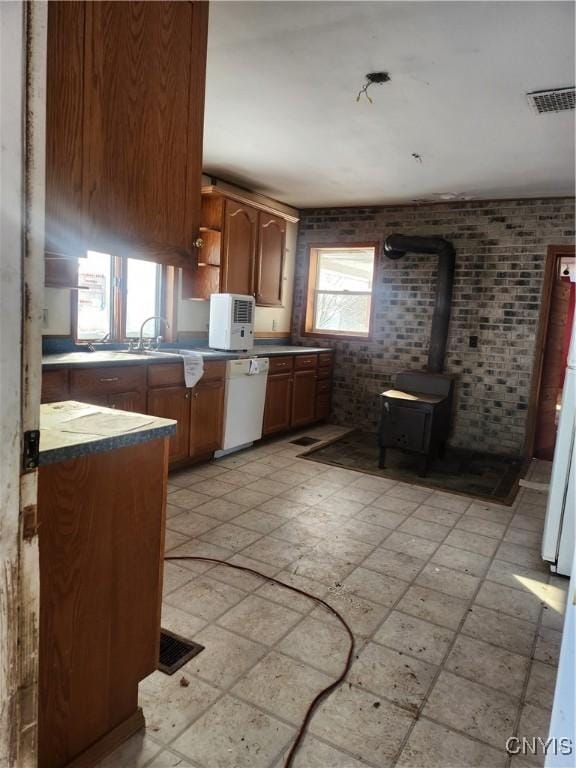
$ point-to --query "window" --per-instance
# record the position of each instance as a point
(115, 295)
(340, 291)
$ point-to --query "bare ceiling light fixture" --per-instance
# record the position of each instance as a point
(372, 78)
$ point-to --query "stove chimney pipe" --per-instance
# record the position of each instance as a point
(396, 246)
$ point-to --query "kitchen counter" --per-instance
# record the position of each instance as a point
(114, 357)
(69, 430)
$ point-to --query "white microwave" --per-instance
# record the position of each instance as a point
(231, 321)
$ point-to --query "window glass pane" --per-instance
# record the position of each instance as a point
(142, 296)
(345, 270)
(339, 312)
(94, 296)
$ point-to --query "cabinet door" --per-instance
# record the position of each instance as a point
(206, 417)
(128, 401)
(238, 248)
(173, 403)
(278, 403)
(303, 398)
(143, 115)
(270, 262)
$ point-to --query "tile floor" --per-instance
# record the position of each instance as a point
(457, 621)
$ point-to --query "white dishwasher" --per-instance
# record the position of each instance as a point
(244, 402)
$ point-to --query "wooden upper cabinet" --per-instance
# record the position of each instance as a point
(270, 261)
(239, 248)
(133, 76)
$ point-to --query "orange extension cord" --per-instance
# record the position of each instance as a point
(326, 691)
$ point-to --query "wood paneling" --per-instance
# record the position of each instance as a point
(54, 385)
(206, 417)
(278, 409)
(270, 261)
(100, 593)
(173, 403)
(166, 375)
(239, 245)
(303, 397)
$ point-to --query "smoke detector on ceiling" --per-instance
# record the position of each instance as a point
(552, 101)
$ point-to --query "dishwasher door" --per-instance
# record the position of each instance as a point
(244, 402)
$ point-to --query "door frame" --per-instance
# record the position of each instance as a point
(553, 253)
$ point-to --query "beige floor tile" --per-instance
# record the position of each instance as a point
(541, 685)
(258, 520)
(191, 523)
(433, 746)
(376, 516)
(247, 498)
(448, 501)
(136, 753)
(393, 675)
(455, 583)
(283, 686)
(495, 667)
(283, 507)
(517, 576)
(289, 477)
(534, 722)
(471, 708)
(318, 644)
(197, 548)
(350, 720)
(260, 620)
(338, 504)
(233, 734)
(300, 531)
(501, 630)
(437, 515)
(553, 617)
(226, 656)
(410, 544)
(221, 509)
(275, 551)
(410, 492)
(472, 542)
(175, 576)
(391, 563)
(187, 499)
(233, 462)
(169, 707)
(181, 622)
(392, 503)
(353, 493)
(548, 645)
(307, 494)
(214, 487)
(523, 538)
(238, 477)
(416, 637)
(291, 599)
(461, 560)
(363, 616)
(321, 566)
(491, 512)
(373, 483)
(242, 579)
(230, 536)
(172, 511)
(374, 586)
(481, 527)
(315, 754)
(528, 523)
(433, 606)
(258, 468)
(263, 485)
(344, 547)
(173, 539)
(205, 597)
(424, 528)
(514, 553)
(168, 759)
(361, 531)
(521, 605)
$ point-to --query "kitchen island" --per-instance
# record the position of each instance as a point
(101, 520)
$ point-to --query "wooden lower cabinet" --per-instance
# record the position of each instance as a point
(206, 417)
(303, 398)
(278, 409)
(173, 403)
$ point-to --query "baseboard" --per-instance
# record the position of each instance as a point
(111, 741)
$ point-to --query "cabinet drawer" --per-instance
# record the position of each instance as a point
(325, 359)
(214, 370)
(305, 361)
(107, 380)
(166, 375)
(281, 364)
(323, 385)
(325, 372)
(54, 386)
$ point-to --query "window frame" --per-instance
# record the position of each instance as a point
(307, 326)
(167, 306)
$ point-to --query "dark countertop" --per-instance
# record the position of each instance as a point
(65, 430)
(114, 357)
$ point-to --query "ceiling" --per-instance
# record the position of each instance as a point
(282, 116)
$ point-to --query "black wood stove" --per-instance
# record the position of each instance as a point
(416, 415)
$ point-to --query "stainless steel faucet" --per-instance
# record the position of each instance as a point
(139, 347)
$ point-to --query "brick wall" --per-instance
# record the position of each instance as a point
(500, 253)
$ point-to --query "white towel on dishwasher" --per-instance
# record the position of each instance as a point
(193, 366)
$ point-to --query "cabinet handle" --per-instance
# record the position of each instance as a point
(198, 243)
(187, 395)
(109, 378)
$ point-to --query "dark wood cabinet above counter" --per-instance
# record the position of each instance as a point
(125, 108)
(244, 248)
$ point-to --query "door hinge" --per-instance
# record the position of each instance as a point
(31, 448)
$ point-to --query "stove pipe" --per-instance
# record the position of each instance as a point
(395, 246)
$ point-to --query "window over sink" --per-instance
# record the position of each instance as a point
(115, 295)
(340, 284)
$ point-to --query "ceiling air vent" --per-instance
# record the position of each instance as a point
(555, 100)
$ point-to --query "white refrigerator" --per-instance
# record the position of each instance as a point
(559, 529)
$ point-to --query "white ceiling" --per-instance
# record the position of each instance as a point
(282, 117)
